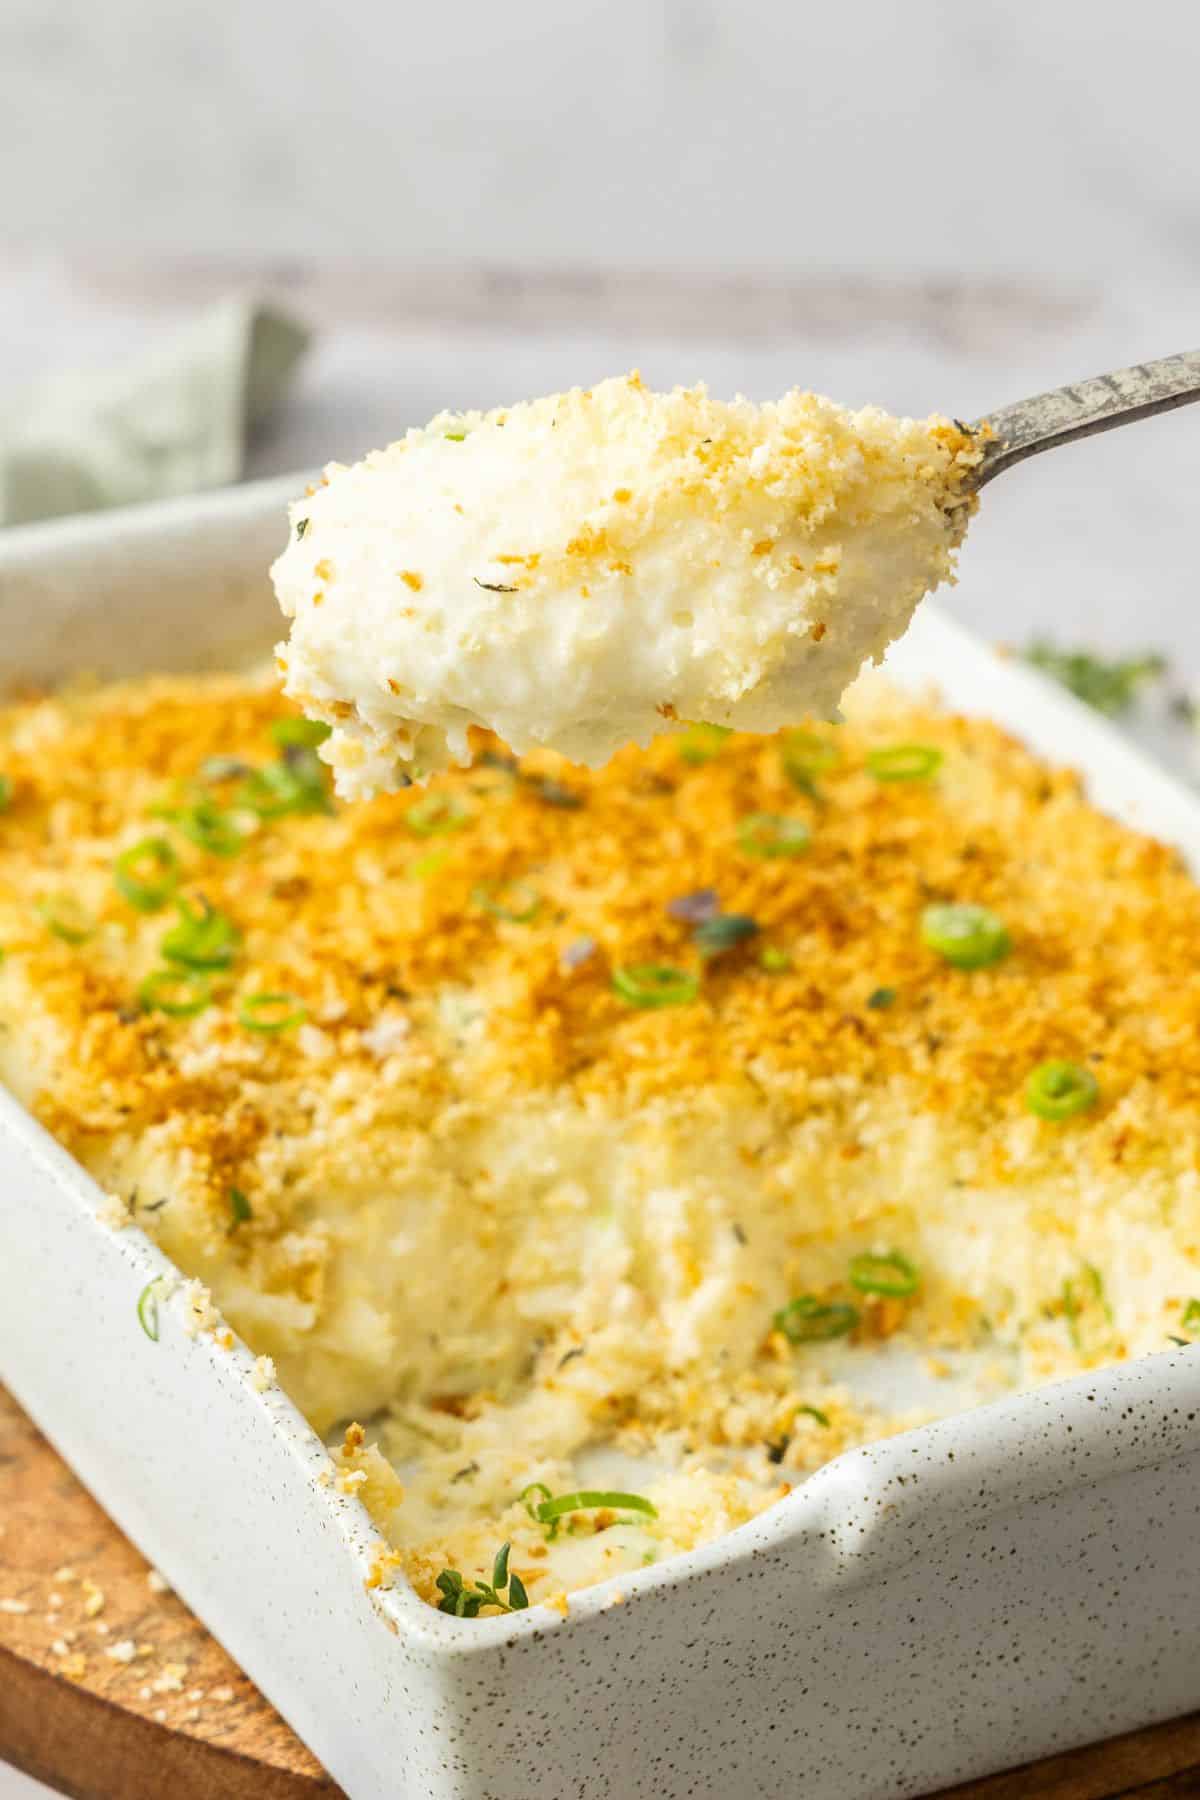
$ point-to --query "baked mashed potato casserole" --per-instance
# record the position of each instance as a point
(596, 1155)
(578, 571)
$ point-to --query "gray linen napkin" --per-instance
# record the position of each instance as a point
(171, 421)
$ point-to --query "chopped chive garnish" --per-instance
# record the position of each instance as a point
(147, 874)
(1059, 1090)
(904, 762)
(891, 1275)
(699, 743)
(240, 1210)
(203, 939)
(66, 918)
(712, 936)
(464, 1601)
(1191, 1316)
(6, 792)
(271, 1012)
(807, 1320)
(970, 937)
(181, 993)
(435, 813)
(515, 901)
(654, 984)
(804, 755)
(294, 732)
(880, 998)
(147, 1309)
(774, 960)
(773, 834)
(1081, 1294)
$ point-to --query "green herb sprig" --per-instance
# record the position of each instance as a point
(1109, 684)
(505, 1591)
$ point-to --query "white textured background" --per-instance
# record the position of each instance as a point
(940, 203)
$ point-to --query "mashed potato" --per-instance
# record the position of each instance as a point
(608, 1135)
(579, 571)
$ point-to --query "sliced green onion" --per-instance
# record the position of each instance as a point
(294, 732)
(774, 960)
(814, 1412)
(587, 1499)
(6, 792)
(534, 1487)
(654, 984)
(699, 743)
(66, 918)
(880, 998)
(210, 827)
(891, 1275)
(970, 937)
(805, 755)
(455, 437)
(773, 834)
(147, 874)
(203, 939)
(147, 1309)
(240, 1210)
(904, 762)
(807, 1320)
(516, 901)
(712, 936)
(1191, 1316)
(1079, 1294)
(271, 1012)
(294, 786)
(437, 812)
(180, 993)
(1059, 1090)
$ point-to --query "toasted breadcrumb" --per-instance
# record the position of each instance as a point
(513, 1218)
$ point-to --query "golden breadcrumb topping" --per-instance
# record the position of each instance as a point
(513, 1112)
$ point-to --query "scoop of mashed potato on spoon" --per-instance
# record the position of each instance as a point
(599, 566)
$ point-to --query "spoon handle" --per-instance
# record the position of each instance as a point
(1087, 407)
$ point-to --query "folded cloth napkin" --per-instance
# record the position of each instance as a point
(171, 421)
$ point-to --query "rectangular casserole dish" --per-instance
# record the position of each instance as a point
(984, 1590)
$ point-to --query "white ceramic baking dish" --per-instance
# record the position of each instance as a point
(1008, 1582)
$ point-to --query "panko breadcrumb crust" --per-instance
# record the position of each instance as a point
(454, 965)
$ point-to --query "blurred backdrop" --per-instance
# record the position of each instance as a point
(929, 205)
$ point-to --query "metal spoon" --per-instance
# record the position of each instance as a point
(1086, 407)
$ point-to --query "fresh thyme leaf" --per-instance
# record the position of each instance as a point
(1110, 685)
(301, 527)
(464, 1602)
(240, 1209)
(493, 587)
(881, 999)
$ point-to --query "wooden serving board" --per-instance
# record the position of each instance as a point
(169, 1713)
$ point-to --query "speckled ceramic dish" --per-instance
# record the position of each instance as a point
(981, 1591)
